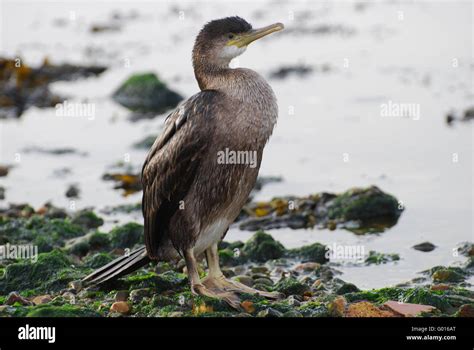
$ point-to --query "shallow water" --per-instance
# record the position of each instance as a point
(331, 134)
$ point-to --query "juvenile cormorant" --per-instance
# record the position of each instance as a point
(190, 197)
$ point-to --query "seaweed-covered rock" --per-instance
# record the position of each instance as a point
(146, 93)
(169, 280)
(449, 274)
(347, 288)
(380, 258)
(44, 274)
(61, 311)
(291, 286)
(360, 210)
(262, 247)
(315, 252)
(97, 260)
(43, 232)
(126, 236)
(87, 219)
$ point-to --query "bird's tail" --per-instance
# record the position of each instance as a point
(119, 267)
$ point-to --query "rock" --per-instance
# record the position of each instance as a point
(466, 310)
(121, 295)
(30, 85)
(121, 307)
(290, 285)
(259, 269)
(380, 258)
(292, 313)
(87, 219)
(315, 252)
(366, 309)
(247, 280)
(262, 247)
(4, 170)
(176, 314)
(298, 70)
(347, 288)
(337, 307)
(440, 286)
(72, 191)
(146, 93)
(466, 249)
(424, 247)
(14, 298)
(2, 193)
(50, 272)
(75, 285)
(126, 236)
(248, 306)
(129, 182)
(41, 299)
(270, 313)
(447, 275)
(137, 295)
(263, 281)
(365, 205)
(97, 260)
(307, 267)
(408, 309)
(293, 300)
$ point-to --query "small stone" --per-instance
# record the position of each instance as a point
(72, 192)
(292, 313)
(293, 301)
(137, 295)
(407, 309)
(121, 307)
(270, 313)
(347, 288)
(447, 275)
(424, 247)
(41, 299)
(176, 314)
(239, 270)
(337, 306)
(466, 310)
(121, 295)
(259, 269)
(75, 285)
(247, 280)
(307, 266)
(440, 286)
(14, 297)
(248, 306)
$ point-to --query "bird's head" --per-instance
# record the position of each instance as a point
(221, 40)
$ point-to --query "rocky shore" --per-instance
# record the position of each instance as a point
(71, 246)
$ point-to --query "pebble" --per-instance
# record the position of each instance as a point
(247, 280)
(264, 281)
(424, 247)
(307, 267)
(269, 313)
(41, 299)
(137, 295)
(121, 307)
(14, 297)
(248, 306)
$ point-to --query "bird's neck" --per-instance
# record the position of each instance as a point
(212, 77)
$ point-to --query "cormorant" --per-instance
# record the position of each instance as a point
(190, 197)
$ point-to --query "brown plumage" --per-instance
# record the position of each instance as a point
(190, 197)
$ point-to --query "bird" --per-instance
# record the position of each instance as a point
(191, 192)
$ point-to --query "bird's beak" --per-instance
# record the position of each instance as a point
(255, 34)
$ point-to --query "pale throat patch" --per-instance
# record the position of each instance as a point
(232, 51)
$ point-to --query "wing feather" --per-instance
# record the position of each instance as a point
(171, 164)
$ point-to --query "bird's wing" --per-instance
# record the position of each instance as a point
(171, 164)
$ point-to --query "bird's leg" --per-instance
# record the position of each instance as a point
(217, 278)
(199, 288)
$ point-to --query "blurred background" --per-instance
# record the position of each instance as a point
(335, 69)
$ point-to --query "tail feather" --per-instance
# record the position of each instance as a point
(119, 267)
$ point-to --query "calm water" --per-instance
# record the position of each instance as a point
(331, 133)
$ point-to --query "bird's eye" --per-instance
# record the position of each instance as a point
(231, 36)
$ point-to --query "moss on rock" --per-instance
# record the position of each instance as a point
(126, 236)
(262, 247)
